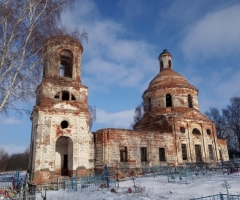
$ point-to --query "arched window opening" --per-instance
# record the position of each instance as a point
(161, 64)
(57, 96)
(208, 132)
(66, 64)
(64, 124)
(169, 63)
(73, 97)
(168, 100)
(65, 95)
(196, 131)
(190, 104)
(182, 129)
(149, 104)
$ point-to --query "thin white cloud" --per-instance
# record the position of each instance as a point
(120, 119)
(110, 57)
(215, 35)
(12, 148)
(11, 120)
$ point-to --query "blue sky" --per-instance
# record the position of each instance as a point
(125, 38)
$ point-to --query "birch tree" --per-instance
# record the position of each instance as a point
(24, 27)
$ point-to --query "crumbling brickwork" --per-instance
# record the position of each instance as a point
(172, 132)
(61, 141)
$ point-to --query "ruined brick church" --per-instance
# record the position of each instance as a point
(172, 132)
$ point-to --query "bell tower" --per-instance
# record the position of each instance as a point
(61, 144)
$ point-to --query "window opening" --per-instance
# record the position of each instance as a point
(61, 70)
(169, 63)
(184, 151)
(208, 132)
(65, 95)
(190, 104)
(220, 153)
(210, 150)
(57, 95)
(66, 63)
(182, 129)
(143, 154)
(168, 100)
(162, 154)
(123, 154)
(73, 97)
(161, 64)
(64, 124)
(196, 131)
(198, 153)
(149, 104)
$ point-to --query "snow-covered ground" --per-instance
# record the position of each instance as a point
(150, 188)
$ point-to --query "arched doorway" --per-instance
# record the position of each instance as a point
(64, 156)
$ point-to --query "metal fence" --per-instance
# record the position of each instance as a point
(17, 186)
(90, 183)
(97, 182)
(155, 170)
(219, 197)
(51, 186)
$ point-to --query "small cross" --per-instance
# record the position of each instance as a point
(227, 186)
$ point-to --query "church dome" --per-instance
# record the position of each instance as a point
(168, 78)
(169, 88)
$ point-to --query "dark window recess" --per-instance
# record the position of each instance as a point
(208, 132)
(123, 154)
(64, 124)
(220, 153)
(73, 97)
(190, 104)
(182, 129)
(170, 64)
(162, 154)
(143, 154)
(57, 95)
(196, 131)
(198, 153)
(66, 64)
(161, 64)
(210, 150)
(184, 151)
(149, 104)
(65, 96)
(168, 100)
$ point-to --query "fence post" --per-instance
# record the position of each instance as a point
(106, 173)
(44, 197)
(117, 175)
(221, 196)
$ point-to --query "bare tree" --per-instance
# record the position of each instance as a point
(24, 27)
(93, 115)
(231, 116)
(215, 115)
(3, 159)
(227, 123)
(139, 113)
